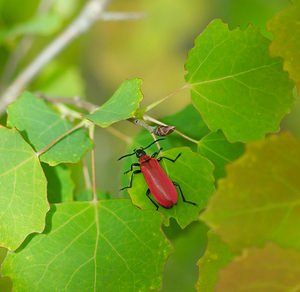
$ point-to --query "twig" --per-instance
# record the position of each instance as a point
(76, 101)
(118, 16)
(89, 14)
(150, 119)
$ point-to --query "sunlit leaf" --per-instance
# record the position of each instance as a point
(41, 125)
(235, 85)
(260, 270)
(286, 39)
(23, 194)
(121, 106)
(107, 246)
(258, 201)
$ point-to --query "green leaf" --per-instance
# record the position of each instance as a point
(60, 185)
(219, 151)
(235, 85)
(216, 257)
(23, 196)
(40, 125)
(121, 106)
(107, 246)
(286, 40)
(189, 122)
(259, 199)
(40, 25)
(193, 173)
(5, 282)
(267, 269)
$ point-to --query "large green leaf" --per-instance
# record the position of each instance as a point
(236, 86)
(262, 270)
(259, 200)
(193, 173)
(107, 246)
(41, 125)
(121, 106)
(23, 193)
(218, 150)
(286, 41)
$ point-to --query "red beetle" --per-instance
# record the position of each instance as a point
(160, 185)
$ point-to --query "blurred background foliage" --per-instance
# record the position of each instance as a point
(94, 65)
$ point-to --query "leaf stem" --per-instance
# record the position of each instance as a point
(148, 118)
(76, 127)
(156, 103)
(92, 135)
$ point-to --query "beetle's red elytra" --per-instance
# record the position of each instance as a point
(159, 184)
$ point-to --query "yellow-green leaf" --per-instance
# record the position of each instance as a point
(23, 190)
(259, 200)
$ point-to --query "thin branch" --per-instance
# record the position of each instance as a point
(76, 127)
(150, 119)
(120, 16)
(89, 14)
(76, 101)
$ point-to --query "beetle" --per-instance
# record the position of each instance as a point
(159, 184)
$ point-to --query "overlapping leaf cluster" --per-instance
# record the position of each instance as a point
(239, 94)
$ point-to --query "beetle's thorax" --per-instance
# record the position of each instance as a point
(144, 158)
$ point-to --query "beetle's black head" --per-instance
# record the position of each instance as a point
(139, 152)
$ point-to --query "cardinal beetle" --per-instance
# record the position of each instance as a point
(159, 184)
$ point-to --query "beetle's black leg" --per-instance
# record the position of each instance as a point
(170, 159)
(131, 178)
(154, 203)
(156, 153)
(181, 193)
(131, 167)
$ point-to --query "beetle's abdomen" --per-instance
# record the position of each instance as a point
(158, 182)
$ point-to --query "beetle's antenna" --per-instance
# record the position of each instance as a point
(126, 155)
(153, 143)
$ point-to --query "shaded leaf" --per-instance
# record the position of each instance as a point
(23, 195)
(41, 125)
(259, 199)
(286, 39)
(194, 175)
(60, 80)
(121, 106)
(107, 246)
(189, 244)
(219, 151)
(235, 85)
(261, 270)
(60, 185)
(216, 257)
